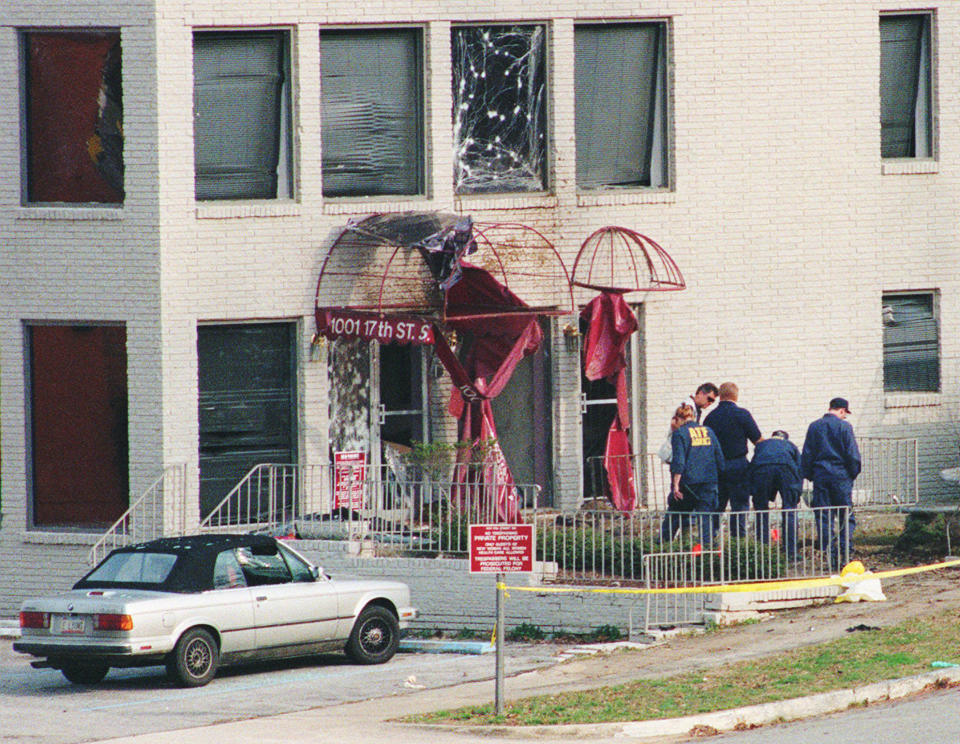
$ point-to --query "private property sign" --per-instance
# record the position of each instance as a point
(501, 548)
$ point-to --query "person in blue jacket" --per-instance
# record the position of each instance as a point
(734, 427)
(697, 462)
(775, 468)
(831, 461)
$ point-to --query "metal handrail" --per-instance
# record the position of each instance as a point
(145, 519)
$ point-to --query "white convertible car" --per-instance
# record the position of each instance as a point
(196, 603)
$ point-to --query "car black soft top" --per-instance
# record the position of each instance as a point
(196, 555)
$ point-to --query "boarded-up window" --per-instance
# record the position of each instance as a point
(905, 86)
(241, 115)
(78, 407)
(73, 104)
(371, 105)
(619, 82)
(911, 343)
(499, 109)
(246, 403)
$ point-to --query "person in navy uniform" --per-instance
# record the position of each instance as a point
(696, 462)
(775, 468)
(704, 397)
(678, 513)
(831, 461)
(734, 427)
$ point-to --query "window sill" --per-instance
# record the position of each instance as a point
(62, 538)
(909, 166)
(911, 400)
(468, 202)
(235, 209)
(70, 213)
(367, 204)
(614, 197)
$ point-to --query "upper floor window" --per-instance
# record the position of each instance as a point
(620, 78)
(73, 109)
(906, 118)
(371, 108)
(241, 115)
(499, 109)
(911, 343)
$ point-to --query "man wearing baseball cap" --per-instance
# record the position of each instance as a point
(831, 461)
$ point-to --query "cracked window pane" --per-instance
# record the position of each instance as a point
(499, 109)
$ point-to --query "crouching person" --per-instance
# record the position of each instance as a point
(696, 463)
(776, 469)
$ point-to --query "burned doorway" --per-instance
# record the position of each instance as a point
(378, 399)
(247, 394)
(524, 416)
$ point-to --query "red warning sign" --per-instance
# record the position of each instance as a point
(501, 548)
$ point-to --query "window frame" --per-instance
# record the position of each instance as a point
(887, 345)
(25, 148)
(661, 112)
(927, 57)
(547, 134)
(421, 109)
(286, 168)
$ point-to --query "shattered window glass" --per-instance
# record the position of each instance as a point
(73, 101)
(499, 109)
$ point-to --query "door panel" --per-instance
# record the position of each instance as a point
(246, 403)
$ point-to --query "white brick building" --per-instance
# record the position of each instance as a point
(758, 160)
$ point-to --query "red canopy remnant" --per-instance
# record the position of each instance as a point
(617, 259)
(611, 323)
(405, 278)
(401, 263)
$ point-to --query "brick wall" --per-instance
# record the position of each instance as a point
(785, 223)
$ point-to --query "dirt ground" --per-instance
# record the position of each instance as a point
(907, 597)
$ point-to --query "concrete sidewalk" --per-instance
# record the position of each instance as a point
(376, 720)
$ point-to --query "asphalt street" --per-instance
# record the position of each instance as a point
(40, 706)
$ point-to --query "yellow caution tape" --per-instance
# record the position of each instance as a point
(762, 586)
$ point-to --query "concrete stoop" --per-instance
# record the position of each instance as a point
(731, 608)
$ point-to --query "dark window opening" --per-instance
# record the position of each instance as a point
(905, 86)
(73, 103)
(499, 109)
(911, 343)
(621, 122)
(241, 115)
(78, 407)
(371, 104)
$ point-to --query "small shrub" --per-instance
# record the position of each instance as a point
(605, 633)
(526, 632)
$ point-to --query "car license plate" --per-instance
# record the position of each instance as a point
(72, 624)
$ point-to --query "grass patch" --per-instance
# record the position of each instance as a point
(854, 660)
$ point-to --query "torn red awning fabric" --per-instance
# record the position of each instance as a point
(611, 323)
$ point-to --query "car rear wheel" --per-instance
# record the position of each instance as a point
(375, 636)
(195, 659)
(84, 674)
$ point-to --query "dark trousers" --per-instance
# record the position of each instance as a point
(733, 488)
(837, 492)
(698, 504)
(766, 481)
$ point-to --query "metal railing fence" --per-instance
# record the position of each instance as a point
(158, 512)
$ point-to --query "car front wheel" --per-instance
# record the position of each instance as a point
(84, 674)
(375, 636)
(194, 659)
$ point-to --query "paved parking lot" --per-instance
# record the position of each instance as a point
(39, 706)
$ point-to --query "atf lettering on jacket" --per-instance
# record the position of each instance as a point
(699, 436)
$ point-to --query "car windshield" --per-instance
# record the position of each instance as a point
(133, 568)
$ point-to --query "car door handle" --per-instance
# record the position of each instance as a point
(262, 599)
